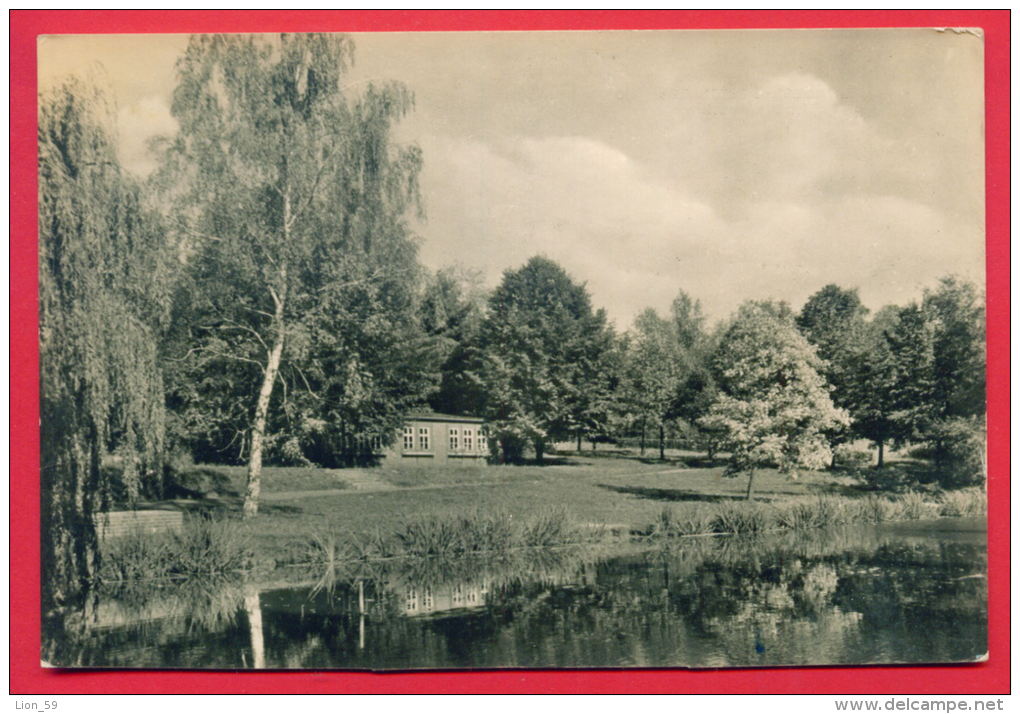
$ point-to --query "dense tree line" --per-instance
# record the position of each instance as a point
(260, 298)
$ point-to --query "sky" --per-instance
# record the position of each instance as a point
(731, 165)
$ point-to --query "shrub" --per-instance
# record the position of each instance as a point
(853, 461)
(958, 449)
(889, 479)
(288, 452)
(184, 481)
(695, 521)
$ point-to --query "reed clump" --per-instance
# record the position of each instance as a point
(963, 502)
(445, 536)
(204, 546)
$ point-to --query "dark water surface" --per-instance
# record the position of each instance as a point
(903, 593)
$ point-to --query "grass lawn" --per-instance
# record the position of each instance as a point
(231, 479)
(607, 489)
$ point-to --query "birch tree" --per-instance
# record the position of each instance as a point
(282, 183)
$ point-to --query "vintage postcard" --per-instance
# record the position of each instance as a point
(483, 350)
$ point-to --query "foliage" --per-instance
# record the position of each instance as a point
(543, 351)
(920, 379)
(833, 321)
(452, 310)
(891, 478)
(694, 398)
(912, 345)
(872, 376)
(664, 377)
(959, 451)
(291, 201)
(849, 459)
(955, 309)
(655, 366)
(103, 272)
(774, 408)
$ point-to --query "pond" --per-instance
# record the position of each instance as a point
(901, 593)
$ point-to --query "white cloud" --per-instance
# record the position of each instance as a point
(636, 240)
(578, 201)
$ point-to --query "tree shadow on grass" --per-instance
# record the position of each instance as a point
(676, 494)
(220, 506)
(703, 462)
(835, 489)
(651, 457)
(547, 460)
(199, 482)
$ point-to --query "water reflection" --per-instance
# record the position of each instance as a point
(901, 594)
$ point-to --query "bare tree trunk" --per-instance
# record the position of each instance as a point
(642, 437)
(881, 453)
(539, 451)
(578, 442)
(258, 429)
(662, 442)
(750, 484)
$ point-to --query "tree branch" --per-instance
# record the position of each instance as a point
(224, 355)
(234, 325)
(305, 380)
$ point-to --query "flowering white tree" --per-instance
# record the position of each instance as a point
(773, 408)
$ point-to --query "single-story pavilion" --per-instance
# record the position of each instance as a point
(440, 439)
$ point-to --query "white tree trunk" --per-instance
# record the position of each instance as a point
(253, 608)
(258, 429)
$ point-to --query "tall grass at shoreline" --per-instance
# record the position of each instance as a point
(818, 512)
(211, 547)
(469, 534)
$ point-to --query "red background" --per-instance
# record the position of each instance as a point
(27, 677)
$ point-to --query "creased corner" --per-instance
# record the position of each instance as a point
(976, 31)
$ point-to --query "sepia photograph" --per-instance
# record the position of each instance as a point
(394, 351)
